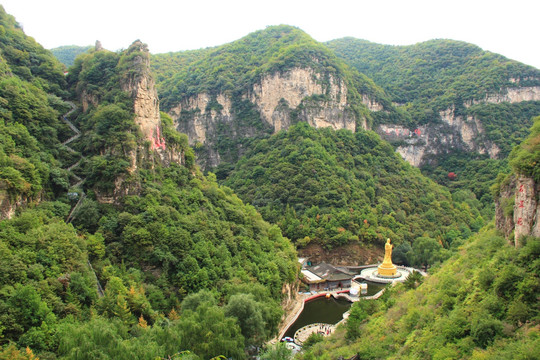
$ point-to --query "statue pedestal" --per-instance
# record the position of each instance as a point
(386, 270)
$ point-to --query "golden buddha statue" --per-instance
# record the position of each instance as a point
(387, 268)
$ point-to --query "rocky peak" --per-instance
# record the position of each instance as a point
(138, 81)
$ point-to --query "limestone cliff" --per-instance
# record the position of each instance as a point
(10, 204)
(138, 82)
(350, 254)
(454, 131)
(511, 95)
(135, 79)
(292, 89)
(272, 104)
(517, 209)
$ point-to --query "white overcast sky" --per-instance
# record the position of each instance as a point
(510, 28)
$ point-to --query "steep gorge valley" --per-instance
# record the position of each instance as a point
(187, 184)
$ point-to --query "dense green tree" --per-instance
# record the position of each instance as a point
(209, 333)
(525, 158)
(101, 338)
(426, 252)
(67, 54)
(337, 187)
(249, 315)
(451, 314)
(276, 352)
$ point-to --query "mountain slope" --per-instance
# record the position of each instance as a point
(467, 107)
(31, 154)
(334, 187)
(225, 96)
(449, 88)
(481, 303)
(67, 54)
(437, 73)
(178, 256)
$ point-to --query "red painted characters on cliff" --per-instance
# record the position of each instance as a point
(157, 142)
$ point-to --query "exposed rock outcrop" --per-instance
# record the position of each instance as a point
(351, 254)
(416, 145)
(10, 204)
(510, 95)
(140, 84)
(455, 132)
(371, 104)
(136, 80)
(276, 102)
(88, 100)
(517, 209)
(291, 89)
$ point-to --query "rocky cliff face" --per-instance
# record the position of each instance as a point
(511, 95)
(274, 103)
(140, 84)
(288, 91)
(136, 80)
(517, 209)
(8, 204)
(351, 254)
(454, 132)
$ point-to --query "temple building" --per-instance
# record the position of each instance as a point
(324, 276)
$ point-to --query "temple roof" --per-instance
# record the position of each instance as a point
(310, 277)
(330, 272)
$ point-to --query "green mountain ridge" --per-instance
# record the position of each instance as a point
(431, 77)
(215, 95)
(192, 272)
(456, 94)
(66, 54)
(237, 66)
(438, 73)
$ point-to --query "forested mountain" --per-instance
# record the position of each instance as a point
(481, 303)
(467, 107)
(448, 107)
(115, 245)
(226, 96)
(186, 267)
(335, 187)
(435, 75)
(67, 54)
(31, 86)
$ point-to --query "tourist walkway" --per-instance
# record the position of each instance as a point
(78, 180)
(303, 333)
